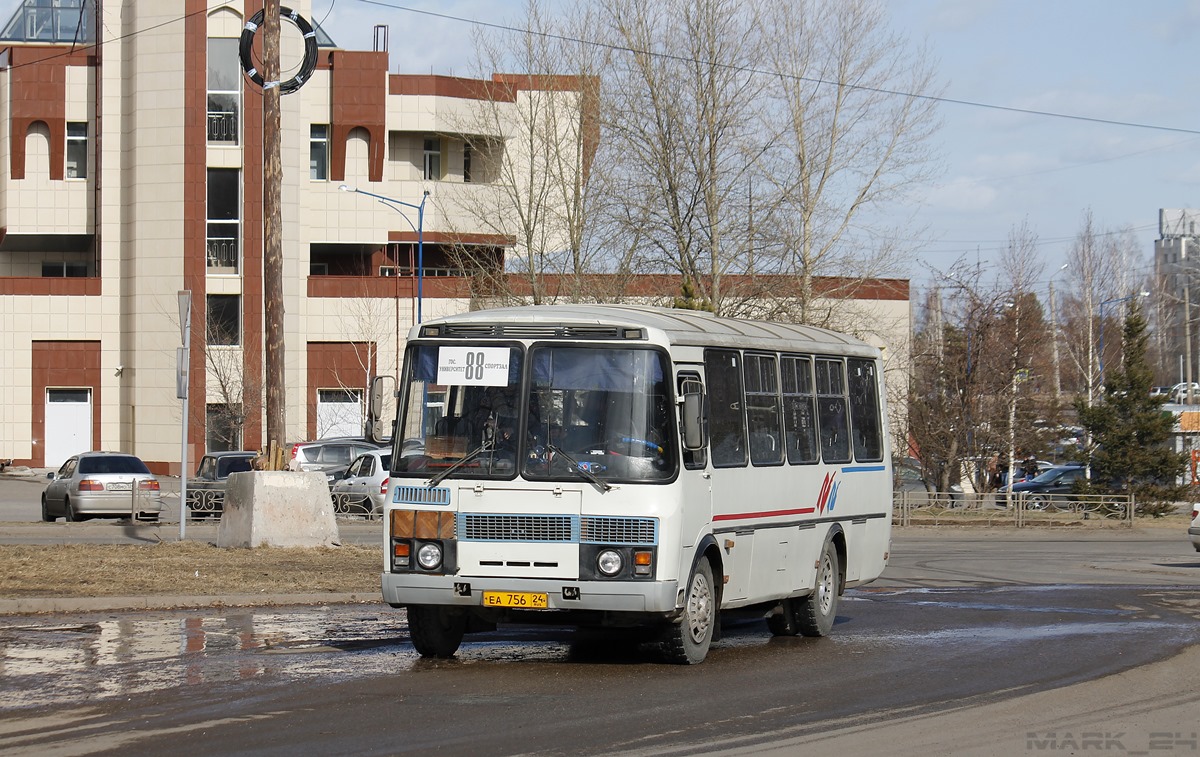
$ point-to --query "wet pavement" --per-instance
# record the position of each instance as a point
(322, 679)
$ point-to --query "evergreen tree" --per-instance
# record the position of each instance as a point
(1131, 435)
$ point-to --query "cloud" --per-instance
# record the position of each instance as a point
(961, 194)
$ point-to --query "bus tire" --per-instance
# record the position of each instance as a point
(816, 612)
(687, 641)
(783, 622)
(436, 631)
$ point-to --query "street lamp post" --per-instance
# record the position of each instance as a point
(1112, 302)
(418, 227)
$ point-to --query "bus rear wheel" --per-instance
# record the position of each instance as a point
(687, 641)
(436, 631)
(815, 613)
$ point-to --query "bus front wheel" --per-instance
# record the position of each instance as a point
(436, 631)
(687, 641)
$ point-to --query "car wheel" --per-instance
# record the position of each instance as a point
(687, 641)
(46, 516)
(71, 516)
(818, 610)
(1038, 502)
(436, 631)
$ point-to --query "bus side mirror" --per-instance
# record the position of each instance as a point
(379, 424)
(693, 421)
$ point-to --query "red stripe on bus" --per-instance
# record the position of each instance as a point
(766, 514)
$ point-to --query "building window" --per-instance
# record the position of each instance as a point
(224, 225)
(318, 152)
(387, 270)
(467, 163)
(433, 159)
(224, 324)
(224, 90)
(223, 430)
(58, 270)
(77, 150)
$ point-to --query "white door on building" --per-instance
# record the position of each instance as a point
(68, 424)
(339, 412)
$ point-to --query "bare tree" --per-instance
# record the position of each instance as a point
(981, 376)
(756, 137)
(849, 143)
(1021, 266)
(228, 392)
(1092, 279)
(533, 140)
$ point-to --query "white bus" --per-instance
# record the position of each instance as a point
(615, 466)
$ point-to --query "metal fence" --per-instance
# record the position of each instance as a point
(942, 508)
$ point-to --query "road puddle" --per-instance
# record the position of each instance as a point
(45, 662)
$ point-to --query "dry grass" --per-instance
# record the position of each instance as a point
(185, 569)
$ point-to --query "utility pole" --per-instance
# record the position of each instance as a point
(272, 228)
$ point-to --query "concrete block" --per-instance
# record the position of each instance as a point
(277, 509)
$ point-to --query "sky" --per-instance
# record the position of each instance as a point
(1109, 60)
(1106, 60)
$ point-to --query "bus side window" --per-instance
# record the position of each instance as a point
(864, 410)
(831, 411)
(689, 383)
(726, 419)
(762, 409)
(799, 411)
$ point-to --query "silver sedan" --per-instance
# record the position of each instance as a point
(110, 484)
(364, 488)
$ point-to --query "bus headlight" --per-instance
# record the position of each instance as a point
(609, 562)
(429, 556)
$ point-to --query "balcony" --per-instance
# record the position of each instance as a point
(222, 255)
(222, 119)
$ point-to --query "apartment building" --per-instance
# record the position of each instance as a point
(132, 169)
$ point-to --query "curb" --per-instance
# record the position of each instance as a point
(40, 605)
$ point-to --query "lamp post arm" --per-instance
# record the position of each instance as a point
(419, 227)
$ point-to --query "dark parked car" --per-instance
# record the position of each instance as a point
(111, 484)
(206, 492)
(1059, 479)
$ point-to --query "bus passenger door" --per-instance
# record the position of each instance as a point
(694, 480)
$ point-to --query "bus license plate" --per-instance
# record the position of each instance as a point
(520, 599)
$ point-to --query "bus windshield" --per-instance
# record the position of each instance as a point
(581, 413)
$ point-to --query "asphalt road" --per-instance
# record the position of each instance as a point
(976, 641)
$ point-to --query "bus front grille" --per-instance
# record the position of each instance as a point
(615, 530)
(536, 528)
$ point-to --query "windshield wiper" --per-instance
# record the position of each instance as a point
(458, 464)
(586, 474)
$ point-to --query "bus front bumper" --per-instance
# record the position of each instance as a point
(561, 594)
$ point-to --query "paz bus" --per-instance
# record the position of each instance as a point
(632, 467)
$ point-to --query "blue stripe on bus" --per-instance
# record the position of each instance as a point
(863, 468)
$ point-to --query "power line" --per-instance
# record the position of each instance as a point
(793, 77)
